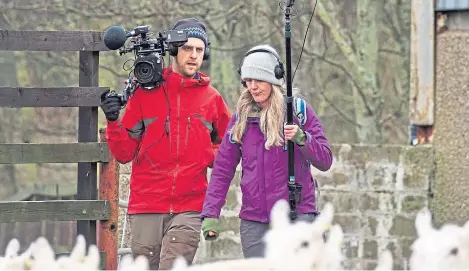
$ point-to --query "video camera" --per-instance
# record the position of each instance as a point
(149, 52)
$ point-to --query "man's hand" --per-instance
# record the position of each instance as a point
(111, 105)
(290, 131)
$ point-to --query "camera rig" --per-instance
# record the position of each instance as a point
(149, 52)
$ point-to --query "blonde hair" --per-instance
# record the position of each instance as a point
(272, 117)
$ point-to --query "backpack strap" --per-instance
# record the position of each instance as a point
(231, 133)
(299, 109)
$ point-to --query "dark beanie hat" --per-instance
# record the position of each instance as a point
(194, 28)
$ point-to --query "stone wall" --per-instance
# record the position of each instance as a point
(376, 191)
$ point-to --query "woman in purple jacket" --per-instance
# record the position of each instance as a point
(257, 135)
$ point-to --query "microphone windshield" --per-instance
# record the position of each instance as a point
(114, 37)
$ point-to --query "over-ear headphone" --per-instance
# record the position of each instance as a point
(173, 50)
(279, 71)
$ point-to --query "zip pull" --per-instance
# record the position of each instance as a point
(189, 122)
(166, 125)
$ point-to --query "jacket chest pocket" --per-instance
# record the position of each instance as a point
(156, 144)
(252, 149)
(196, 138)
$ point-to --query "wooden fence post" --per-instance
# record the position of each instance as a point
(88, 132)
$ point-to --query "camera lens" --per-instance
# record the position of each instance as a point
(148, 70)
(143, 71)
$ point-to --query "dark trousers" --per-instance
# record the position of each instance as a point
(252, 233)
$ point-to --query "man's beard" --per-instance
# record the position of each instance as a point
(182, 70)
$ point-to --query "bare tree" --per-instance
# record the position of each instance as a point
(362, 45)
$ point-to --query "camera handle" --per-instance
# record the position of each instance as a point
(130, 86)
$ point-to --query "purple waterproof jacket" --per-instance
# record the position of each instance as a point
(264, 175)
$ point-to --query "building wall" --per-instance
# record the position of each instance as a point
(376, 192)
(451, 136)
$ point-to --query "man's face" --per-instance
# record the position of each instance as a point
(189, 57)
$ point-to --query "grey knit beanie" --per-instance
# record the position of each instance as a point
(261, 65)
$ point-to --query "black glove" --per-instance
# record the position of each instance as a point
(111, 105)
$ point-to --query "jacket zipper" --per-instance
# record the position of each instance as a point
(177, 146)
(170, 135)
(187, 130)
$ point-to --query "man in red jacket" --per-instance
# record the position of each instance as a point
(171, 134)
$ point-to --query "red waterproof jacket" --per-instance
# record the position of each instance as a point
(171, 135)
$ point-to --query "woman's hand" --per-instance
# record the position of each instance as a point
(210, 228)
(290, 131)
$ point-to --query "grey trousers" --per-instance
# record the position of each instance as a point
(163, 237)
(252, 233)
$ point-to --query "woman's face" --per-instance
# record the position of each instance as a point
(260, 91)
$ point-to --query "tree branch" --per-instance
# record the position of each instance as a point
(244, 46)
(392, 52)
(330, 19)
(331, 63)
(323, 95)
(356, 80)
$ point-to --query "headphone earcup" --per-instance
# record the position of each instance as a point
(173, 50)
(279, 71)
(207, 53)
